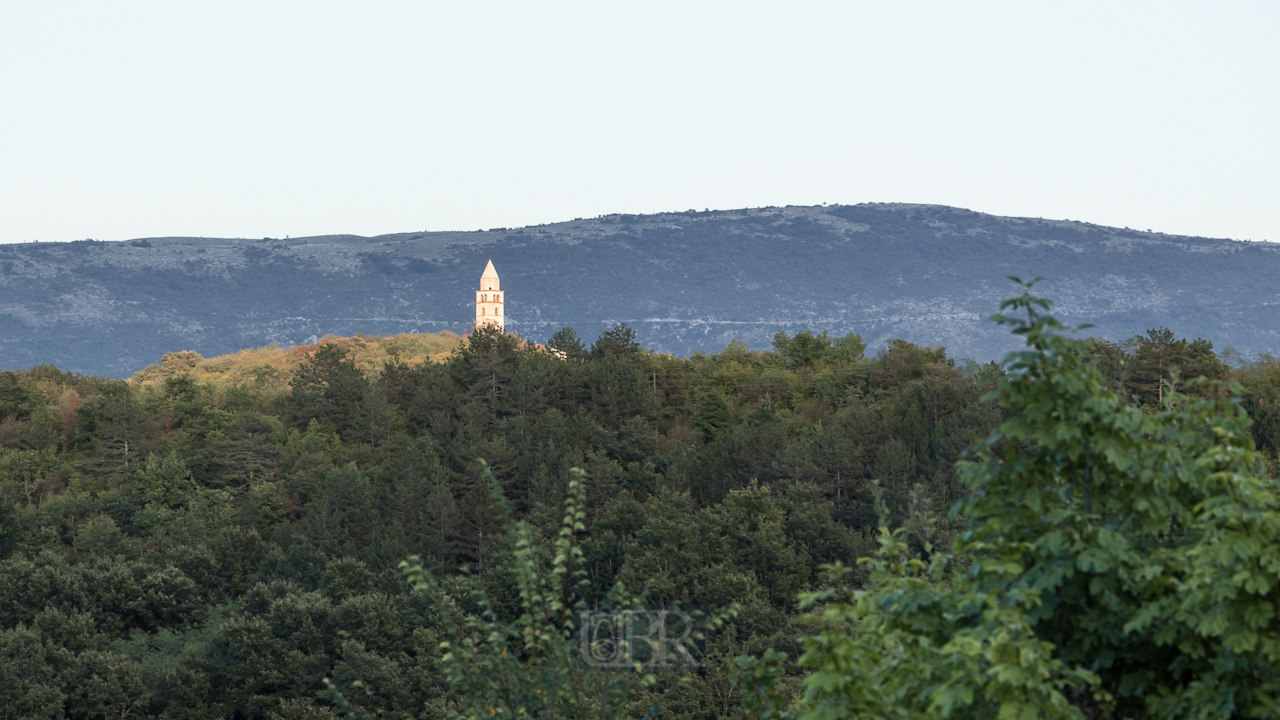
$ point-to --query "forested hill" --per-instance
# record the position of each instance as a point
(208, 541)
(685, 281)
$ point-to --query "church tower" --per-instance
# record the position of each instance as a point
(489, 300)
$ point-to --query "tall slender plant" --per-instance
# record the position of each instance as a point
(546, 663)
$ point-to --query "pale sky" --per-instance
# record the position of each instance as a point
(250, 119)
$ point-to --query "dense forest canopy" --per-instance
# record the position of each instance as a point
(185, 545)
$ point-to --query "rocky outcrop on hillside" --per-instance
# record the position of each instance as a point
(685, 281)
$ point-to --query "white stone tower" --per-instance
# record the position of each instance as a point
(489, 300)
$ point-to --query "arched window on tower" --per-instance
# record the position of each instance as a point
(498, 312)
(481, 311)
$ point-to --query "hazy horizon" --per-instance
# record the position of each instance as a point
(607, 215)
(146, 119)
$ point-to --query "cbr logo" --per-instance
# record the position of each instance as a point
(631, 638)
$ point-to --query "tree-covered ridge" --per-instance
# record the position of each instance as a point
(183, 547)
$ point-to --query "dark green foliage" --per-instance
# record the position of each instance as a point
(713, 416)
(1113, 361)
(566, 340)
(186, 550)
(1160, 356)
(18, 396)
(1117, 563)
(805, 349)
(533, 665)
(329, 389)
(1261, 398)
(619, 340)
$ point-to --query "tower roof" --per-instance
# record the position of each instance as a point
(489, 272)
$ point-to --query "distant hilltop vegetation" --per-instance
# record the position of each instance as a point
(271, 368)
(683, 281)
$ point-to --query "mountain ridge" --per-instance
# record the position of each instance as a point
(693, 280)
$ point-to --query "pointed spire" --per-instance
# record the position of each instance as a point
(489, 271)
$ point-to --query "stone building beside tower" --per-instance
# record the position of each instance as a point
(489, 300)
